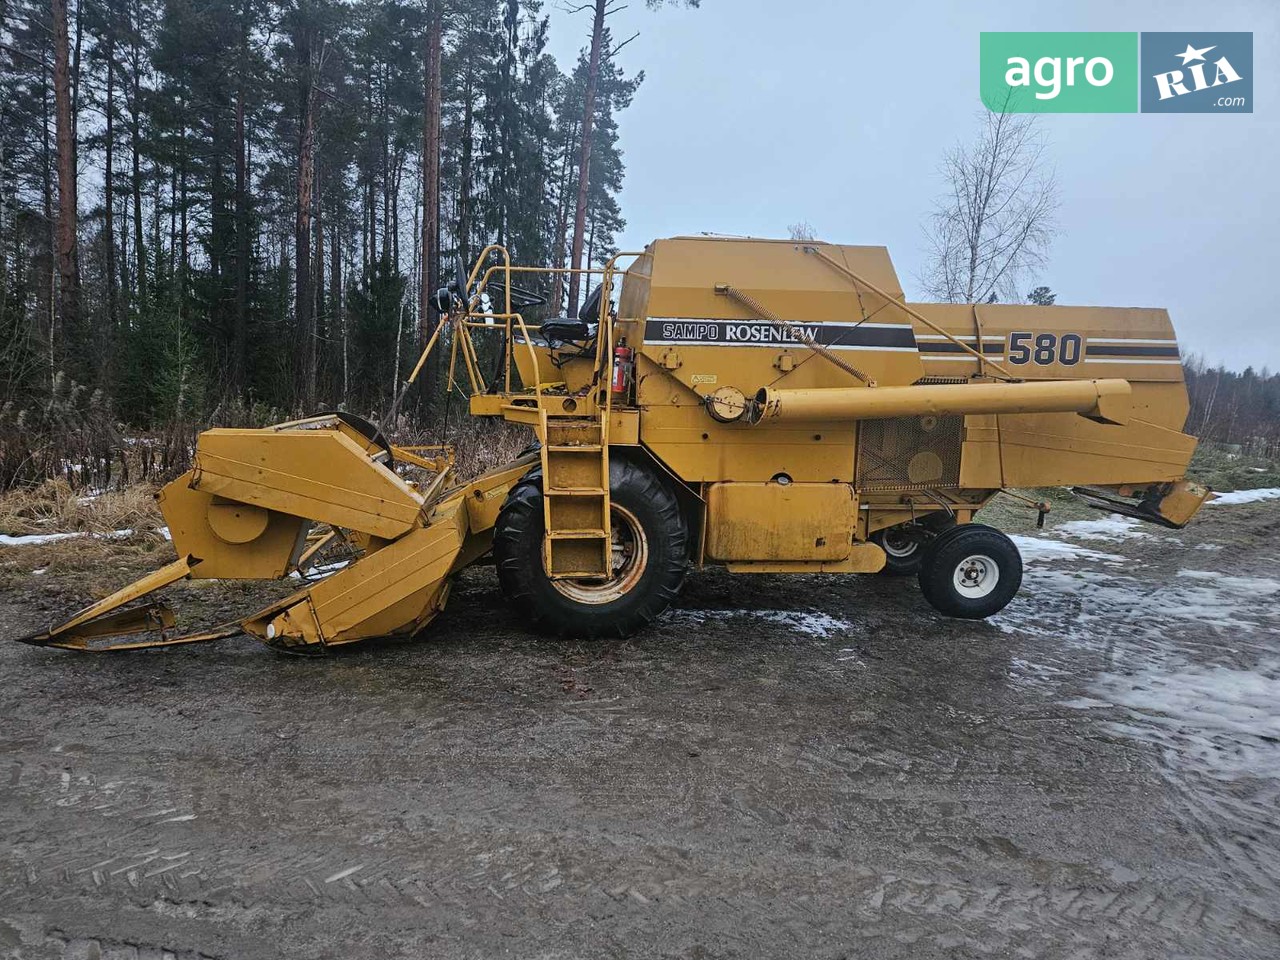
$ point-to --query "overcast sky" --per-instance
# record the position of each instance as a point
(756, 114)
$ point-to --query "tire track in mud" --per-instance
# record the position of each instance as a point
(138, 828)
(476, 892)
(476, 880)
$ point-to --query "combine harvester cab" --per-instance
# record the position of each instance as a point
(768, 406)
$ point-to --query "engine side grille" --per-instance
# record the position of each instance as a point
(909, 453)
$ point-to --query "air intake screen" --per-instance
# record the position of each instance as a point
(909, 453)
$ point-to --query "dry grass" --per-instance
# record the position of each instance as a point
(91, 565)
(478, 444)
(54, 507)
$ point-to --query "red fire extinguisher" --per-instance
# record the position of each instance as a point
(622, 355)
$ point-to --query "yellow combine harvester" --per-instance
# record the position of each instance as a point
(771, 406)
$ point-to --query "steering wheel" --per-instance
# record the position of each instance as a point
(520, 297)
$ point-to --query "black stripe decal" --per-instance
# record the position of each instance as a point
(1120, 350)
(764, 333)
(948, 347)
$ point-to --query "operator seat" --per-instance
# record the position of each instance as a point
(580, 332)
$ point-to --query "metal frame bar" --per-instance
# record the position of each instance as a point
(914, 314)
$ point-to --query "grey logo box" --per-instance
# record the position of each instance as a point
(1197, 72)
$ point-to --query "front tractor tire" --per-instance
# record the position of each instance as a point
(650, 559)
(970, 571)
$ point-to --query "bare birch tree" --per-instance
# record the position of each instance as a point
(802, 231)
(997, 218)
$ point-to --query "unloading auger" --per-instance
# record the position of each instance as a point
(769, 406)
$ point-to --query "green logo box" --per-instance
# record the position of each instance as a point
(1059, 72)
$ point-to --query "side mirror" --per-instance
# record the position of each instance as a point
(440, 300)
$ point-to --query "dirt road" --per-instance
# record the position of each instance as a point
(785, 767)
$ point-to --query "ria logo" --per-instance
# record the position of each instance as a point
(1197, 73)
(1171, 84)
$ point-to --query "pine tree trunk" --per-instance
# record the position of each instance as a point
(397, 177)
(386, 172)
(135, 138)
(48, 282)
(109, 195)
(4, 256)
(240, 327)
(430, 173)
(184, 261)
(337, 315)
(68, 247)
(591, 252)
(584, 155)
(464, 171)
(562, 221)
(304, 302)
(75, 73)
(317, 264)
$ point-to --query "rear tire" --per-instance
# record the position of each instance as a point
(902, 551)
(970, 571)
(650, 559)
(905, 545)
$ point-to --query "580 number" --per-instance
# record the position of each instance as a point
(1045, 348)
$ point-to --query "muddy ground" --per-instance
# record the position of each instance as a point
(784, 767)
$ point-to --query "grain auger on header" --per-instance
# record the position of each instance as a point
(767, 406)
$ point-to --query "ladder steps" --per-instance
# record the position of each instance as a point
(578, 535)
(575, 487)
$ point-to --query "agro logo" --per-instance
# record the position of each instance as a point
(1197, 73)
(1059, 72)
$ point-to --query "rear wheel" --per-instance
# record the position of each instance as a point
(904, 546)
(970, 571)
(649, 550)
(903, 549)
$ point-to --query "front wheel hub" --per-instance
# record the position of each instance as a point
(629, 550)
(976, 576)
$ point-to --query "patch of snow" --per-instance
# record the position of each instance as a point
(1026, 672)
(1247, 586)
(1208, 546)
(36, 573)
(1084, 703)
(34, 539)
(820, 626)
(1245, 496)
(1224, 720)
(1113, 527)
(312, 572)
(1090, 606)
(1035, 549)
